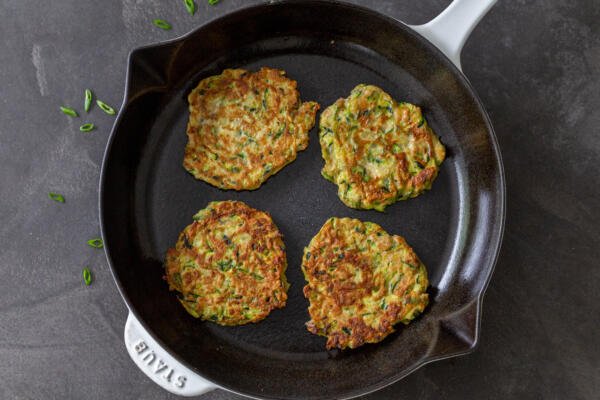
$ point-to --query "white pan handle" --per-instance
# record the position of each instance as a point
(159, 366)
(449, 30)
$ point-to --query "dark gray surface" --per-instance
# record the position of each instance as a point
(536, 66)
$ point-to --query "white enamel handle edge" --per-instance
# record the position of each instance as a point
(159, 365)
(449, 30)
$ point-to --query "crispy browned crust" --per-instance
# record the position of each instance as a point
(229, 265)
(361, 281)
(245, 126)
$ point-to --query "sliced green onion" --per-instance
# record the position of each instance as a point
(190, 6)
(257, 276)
(57, 197)
(162, 24)
(105, 107)
(88, 100)
(87, 276)
(213, 2)
(69, 111)
(86, 127)
(96, 243)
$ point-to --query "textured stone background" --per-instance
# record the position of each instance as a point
(534, 63)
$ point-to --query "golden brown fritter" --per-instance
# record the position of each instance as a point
(376, 150)
(229, 265)
(361, 281)
(245, 126)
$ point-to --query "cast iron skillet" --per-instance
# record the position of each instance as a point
(147, 198)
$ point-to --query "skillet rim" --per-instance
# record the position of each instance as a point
(496, 234)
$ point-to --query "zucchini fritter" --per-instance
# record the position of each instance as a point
(376, 150)
(229, 265)
(245, 126)
(361, 281)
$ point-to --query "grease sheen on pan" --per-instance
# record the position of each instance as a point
(377, 150)
(245, 126)
(361, 281)
(229, 265)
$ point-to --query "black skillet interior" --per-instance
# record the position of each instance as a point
(147, 197)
